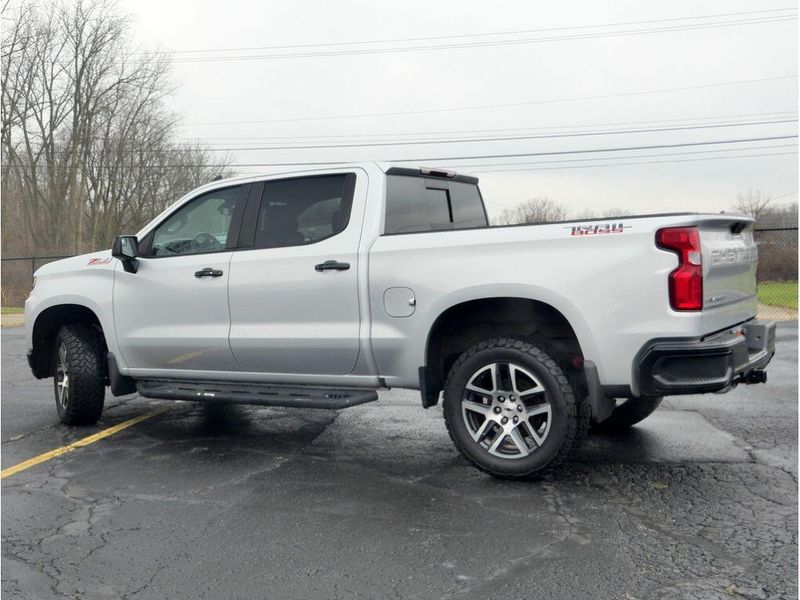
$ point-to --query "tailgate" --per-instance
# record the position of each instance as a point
(730, 260)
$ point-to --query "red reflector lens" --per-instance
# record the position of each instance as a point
(685, 282)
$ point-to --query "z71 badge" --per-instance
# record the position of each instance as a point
(598, 229)
(98, 261)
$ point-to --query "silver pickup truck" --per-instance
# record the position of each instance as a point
(315, 289)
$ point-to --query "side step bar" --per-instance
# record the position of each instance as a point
(255, 393)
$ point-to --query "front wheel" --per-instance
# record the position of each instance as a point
(511, 410)
(78, 374)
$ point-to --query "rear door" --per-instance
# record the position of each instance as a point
(293, 288)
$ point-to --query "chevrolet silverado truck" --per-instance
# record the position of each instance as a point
(316, 289)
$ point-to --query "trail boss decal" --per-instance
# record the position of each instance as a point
(98, 261)
(598, 229)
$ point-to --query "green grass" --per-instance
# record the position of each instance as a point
(778, 293)
(12, 310)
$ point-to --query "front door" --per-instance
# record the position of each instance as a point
(293, 287)
(171, 316)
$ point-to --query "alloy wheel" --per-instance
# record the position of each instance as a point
(62, 376)
(506, 410)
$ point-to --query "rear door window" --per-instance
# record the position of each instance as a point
(303, 210)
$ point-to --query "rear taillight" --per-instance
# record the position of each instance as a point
(685, 282)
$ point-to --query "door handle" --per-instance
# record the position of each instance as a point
(208, 272)
(332, 265)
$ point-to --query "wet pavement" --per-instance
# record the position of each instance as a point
(698, 501)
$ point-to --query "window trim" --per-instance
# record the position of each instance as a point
(446, 191)
(247, 238)
(247, 231)
(146, 244)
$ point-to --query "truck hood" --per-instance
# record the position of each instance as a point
(101, 259)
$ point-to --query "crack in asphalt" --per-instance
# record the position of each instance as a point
(514, 565)
(44, 428)
(84, 511)
(345, 520)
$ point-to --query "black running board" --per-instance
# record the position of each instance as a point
(255, 393)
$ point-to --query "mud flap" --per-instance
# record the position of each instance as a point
(601, 405)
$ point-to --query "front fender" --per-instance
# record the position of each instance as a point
(80, 281)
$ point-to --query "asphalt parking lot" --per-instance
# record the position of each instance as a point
(699, 501)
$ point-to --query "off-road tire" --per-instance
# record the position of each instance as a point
(570, 409)
(83, 345)
(627, 415)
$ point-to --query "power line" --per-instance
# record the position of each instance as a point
(506, 105)
(587, 151)
(551, 132)
(231, 139)
(482, 169)
(450, 158)
(429, 134)
(652, 162)
(784, 195)
(605, 158)
(485, 34)
(498, 139)
(505, 163)
(481, 44)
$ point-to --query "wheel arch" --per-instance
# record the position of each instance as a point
(46, 327)
(467, 322)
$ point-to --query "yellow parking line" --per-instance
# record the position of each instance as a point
(32, 462)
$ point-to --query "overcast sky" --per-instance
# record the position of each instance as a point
(572, 68)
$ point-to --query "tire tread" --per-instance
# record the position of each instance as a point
(85, 352)
(577, 405)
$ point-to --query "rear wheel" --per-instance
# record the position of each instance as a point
(511, 410)
(627, 414)
(78, 374)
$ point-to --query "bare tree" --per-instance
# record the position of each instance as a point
(753, 203)
(585, 214)
(536, 210)
(617, 212)
(88, 146)
(607, 213)
(778, 215)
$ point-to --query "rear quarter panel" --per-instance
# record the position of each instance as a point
(611, 287)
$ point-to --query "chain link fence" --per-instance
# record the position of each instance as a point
(17, 277)
(777, 277)
(777, 273)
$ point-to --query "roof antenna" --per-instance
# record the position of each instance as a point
(217, 178)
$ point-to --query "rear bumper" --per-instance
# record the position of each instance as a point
(669, 367)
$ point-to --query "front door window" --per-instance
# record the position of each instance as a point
(199, 227)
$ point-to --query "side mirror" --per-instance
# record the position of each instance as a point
(126, 249)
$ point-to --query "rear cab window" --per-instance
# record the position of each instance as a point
(415, 203)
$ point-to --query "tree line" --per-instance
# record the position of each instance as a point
(776, 226)
(89, 146)
(754, 203)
